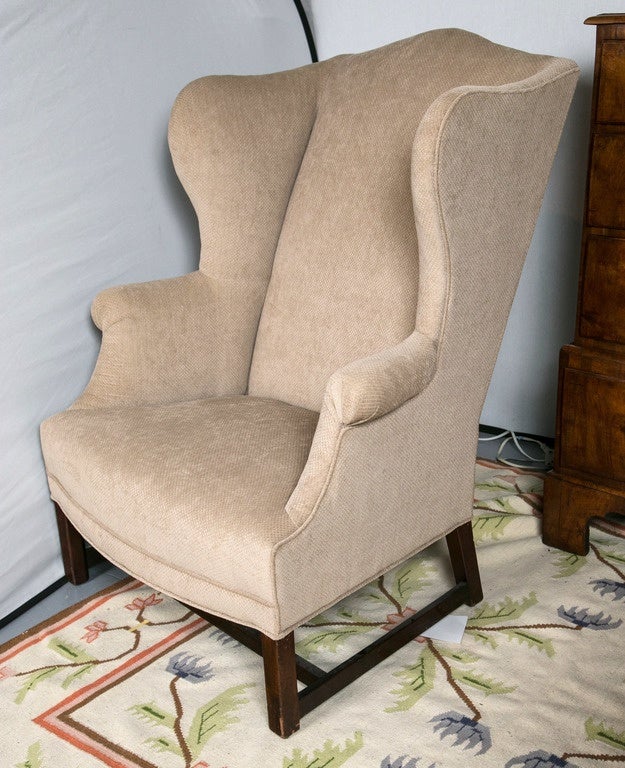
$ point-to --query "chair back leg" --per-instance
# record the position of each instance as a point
(463, 558)
(72, 549)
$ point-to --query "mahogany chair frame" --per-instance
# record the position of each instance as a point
(283, 668)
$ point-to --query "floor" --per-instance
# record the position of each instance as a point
(105, 574)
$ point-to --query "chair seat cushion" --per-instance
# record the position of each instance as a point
(199, 486)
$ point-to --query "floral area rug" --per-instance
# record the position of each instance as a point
(133, 680)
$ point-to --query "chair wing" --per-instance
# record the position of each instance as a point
(237, 144)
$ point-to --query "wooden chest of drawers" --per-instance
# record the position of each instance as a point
(589, 465)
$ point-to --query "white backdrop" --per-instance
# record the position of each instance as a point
(88, 198)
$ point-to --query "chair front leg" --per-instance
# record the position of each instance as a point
(464, 561)
(281, 684)
(72, 549)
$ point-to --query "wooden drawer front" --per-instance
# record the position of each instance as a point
(593, 425)
(606, 189)
(611, 100)
(602, 309)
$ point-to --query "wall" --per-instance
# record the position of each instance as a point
(89, 199)
(522, 395)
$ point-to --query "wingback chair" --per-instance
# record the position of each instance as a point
(264, 436)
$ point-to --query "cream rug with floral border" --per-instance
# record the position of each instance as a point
(131, 679)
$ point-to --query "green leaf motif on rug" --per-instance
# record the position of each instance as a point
(509, 484)
(459, 655)
(371, 594)
(600, 732)
(330, 754)
(80, 672)
(569, 565)
(163, 744)
(417, 681)
(34, 757)
(613, 557)
(483, 684)
(490, 526)
(493, 483)
(32, 681)
(507, 610)
(333, 637)
(510, 506)
(484, 637)
(70, 651)
(153, 714)
(75, 654)
(523, 636)
(409, 579)
(215, 717)
(609, 549)
(342, 614)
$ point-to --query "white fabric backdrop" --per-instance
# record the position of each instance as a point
(88, 199)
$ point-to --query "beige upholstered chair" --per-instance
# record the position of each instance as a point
(264, 436)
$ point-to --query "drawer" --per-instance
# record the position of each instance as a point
(592, 438)
(602, 306)
(611, 98)
(606, 187)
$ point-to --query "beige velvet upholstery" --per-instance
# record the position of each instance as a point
(265, 435)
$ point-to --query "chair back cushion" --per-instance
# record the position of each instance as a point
(345, 273)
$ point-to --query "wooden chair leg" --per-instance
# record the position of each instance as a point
(281, 684)
(464, 561)
(72, 549)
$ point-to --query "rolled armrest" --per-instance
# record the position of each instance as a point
(355, 397)
(168, 340)
(151, 307)
(373, 386)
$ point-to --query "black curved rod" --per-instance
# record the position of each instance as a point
(307, 30)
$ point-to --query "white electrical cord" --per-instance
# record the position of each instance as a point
(544, 462)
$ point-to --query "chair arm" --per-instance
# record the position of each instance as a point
(163, 341)
(373, 386)
(356, 396)
(146, 304)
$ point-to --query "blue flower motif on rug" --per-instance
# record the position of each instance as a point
(607, 586)
(582, 618)
(399, 762)
(467, 731)
(539, 759)
(188, 668)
